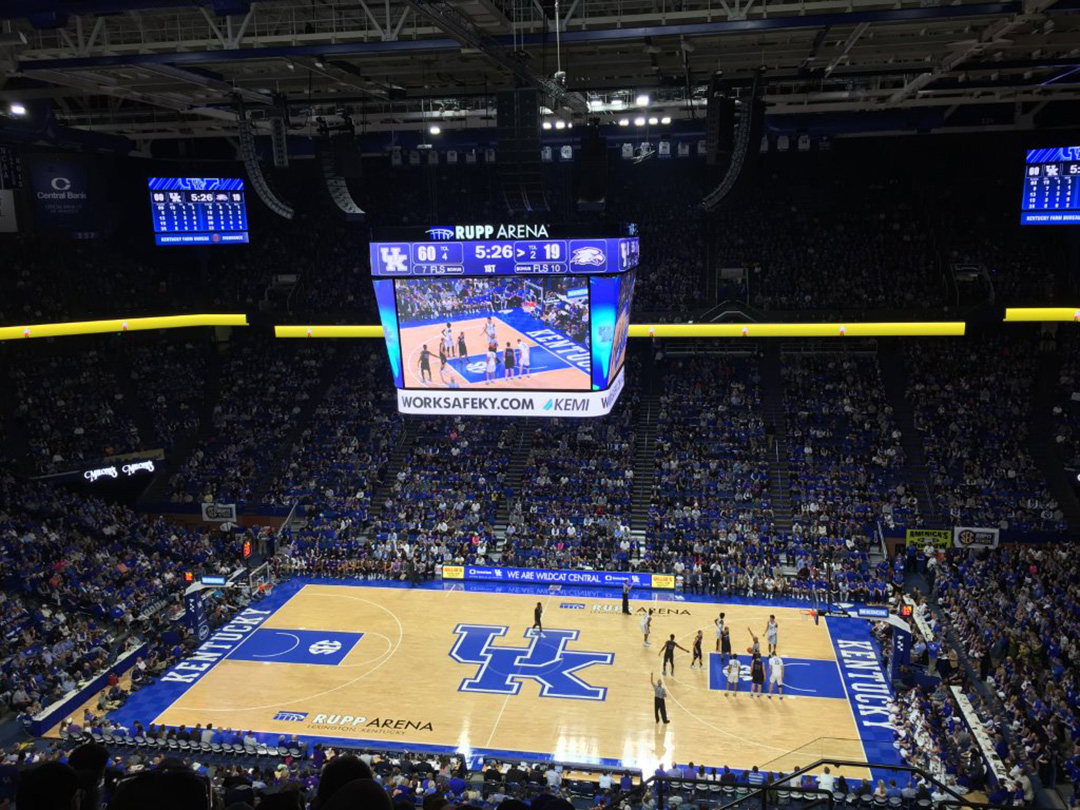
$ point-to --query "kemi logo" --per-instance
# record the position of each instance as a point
(291, 717)
(567, 404)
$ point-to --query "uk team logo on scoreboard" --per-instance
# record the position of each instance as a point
(546, 660)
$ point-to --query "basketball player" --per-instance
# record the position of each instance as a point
(538, 612)
(719, 630)
(669, 654)
(776, 674)
(697, 659)
(462, 349)
(425, 364)
(508, 361)
(444, 370)
(733, 673)
(770, 633)
(524, 367)
(488, 329)
(489, 375)
(448, 339)
(757, 675)
(725, 644)
(755, 648)
(646, 627)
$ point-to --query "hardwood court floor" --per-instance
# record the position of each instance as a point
(562, 376)
(400, 684)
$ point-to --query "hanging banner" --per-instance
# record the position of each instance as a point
(970, 537)
(8, 223)
(60, 191)
(194, 615)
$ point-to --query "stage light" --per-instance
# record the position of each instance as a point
(546, 125)
(642, 100)
(654, 121)
(434, 129)
(624, 122)
(17, 109)
(639, 121)
(560, 125)
(666, 119)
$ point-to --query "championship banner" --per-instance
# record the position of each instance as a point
(939, 538)
(534, 576)
(8, 223)
(970, 537)
(60, 190)
(219, 512)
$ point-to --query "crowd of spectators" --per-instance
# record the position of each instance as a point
(264, 386)
(169, 375)
(845, 456)
(78, 572)
(1066, 410)
(972, 402)
(573, 503)
(1013, 611)
(70, 405)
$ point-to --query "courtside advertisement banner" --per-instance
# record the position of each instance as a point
(972, 537)
(534, 576)
(509, 403)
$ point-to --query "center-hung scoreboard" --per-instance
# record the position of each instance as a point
(506, 319)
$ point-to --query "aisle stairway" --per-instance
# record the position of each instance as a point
(514, 473)
(644, 461)
(396, 463)
(895, 378)
(772, 401)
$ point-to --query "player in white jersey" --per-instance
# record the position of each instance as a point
(776, 674)
(646, 626)
(448, 340)
(719, 630)
(734, 672)
(490, 368)
(523, 358)
(489, 330)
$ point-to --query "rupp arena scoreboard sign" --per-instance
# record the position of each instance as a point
(506, 319)
(540, 576)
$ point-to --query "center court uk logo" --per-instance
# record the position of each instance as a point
(546, 661)
(291, 717)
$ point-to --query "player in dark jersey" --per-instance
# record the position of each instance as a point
(508, 361)
(668, 652)
(462, 349)
(725, 644)
(425, 365)
(538, 612)
(697, 660)
(757, 675)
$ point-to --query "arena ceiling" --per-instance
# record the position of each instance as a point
(154, 69)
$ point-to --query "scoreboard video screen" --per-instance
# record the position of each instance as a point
(1051, 187)
(198, 210)
(514, 320)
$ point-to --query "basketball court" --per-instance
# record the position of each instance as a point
(456, 668)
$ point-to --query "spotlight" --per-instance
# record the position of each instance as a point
(17, 109)
(639, 121)
(642, 100)
(319, 63)
(654, 121)
(624, 122)
(666, 119)
(290, 65)
(546, 125)
(560, 125)
(434, 129)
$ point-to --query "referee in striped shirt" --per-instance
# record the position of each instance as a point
(659, 695)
